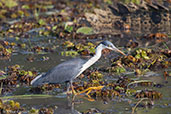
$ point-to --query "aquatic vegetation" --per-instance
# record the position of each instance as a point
(30, 59)
(116, 69)
(34, 111)
(69, 53)
(83, 49)
(95, 75)
(142, 60)
(91, 111)
(2, 73)
(158, 37)
(6, 49)
(132, 1)
(148, 94)
(85, 30)
(167, 74)
(9, 3)
(16, 76)
(42, 111)
(41, 50)
(44, 58)
(10, 107)
(46, 110)
(132, 44)
(44, 88)
(100, 89)
(43, 18)
(29, 28)
(68, 44)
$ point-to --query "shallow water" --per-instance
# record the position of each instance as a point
(62, 105)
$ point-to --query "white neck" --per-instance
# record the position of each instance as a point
(92, 60)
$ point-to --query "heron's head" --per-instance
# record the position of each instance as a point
(108, 45)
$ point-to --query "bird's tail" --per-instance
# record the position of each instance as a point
(35, 82)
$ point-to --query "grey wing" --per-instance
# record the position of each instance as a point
(62, 72)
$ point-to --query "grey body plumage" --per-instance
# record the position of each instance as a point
(61, 73)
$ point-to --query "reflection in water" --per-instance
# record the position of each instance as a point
(60, 105)
(71, 104)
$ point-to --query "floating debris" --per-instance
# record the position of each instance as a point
(152, 94)
(16, 76)
(83, 49)
(142, 60)
(158, 37)
(11, 106)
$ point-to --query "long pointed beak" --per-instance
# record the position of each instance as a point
(117, 50)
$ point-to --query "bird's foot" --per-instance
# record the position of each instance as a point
(88, 90)
(89, 98)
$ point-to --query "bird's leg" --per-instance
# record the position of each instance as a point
(89, 98)
(88, 90)
(68, 87)
(73, 91)
(72, 88)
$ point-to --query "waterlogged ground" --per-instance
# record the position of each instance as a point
(117, 105)
(40, 34)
